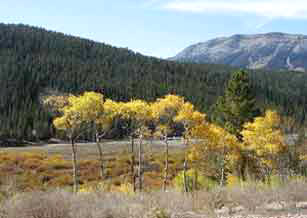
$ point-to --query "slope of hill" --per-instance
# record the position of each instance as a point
(270, 51)
(34, 61)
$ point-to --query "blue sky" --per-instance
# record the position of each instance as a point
(158, 28)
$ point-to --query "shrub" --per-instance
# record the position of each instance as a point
(192, 176)
(233, 181)
(126, 188)
(61, 180)
(95, 187)
(57, 162)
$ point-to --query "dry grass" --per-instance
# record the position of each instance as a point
(60, 204)
(63, 204)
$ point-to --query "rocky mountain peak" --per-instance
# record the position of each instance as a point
(277, 51)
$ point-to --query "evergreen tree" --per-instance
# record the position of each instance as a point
(237, 106)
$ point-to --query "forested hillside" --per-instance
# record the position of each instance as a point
(35, 62)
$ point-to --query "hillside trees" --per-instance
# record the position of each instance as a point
(237, 106)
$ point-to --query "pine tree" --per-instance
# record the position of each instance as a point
(237, 106)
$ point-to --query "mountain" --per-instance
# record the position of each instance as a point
(277, 51)
(35, 62)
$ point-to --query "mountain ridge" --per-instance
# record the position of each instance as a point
(274, 51)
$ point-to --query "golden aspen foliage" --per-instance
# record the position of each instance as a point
(80, 111)
(210, 137)
(70, 121)
(112, 110)
(189, 117)
(137, 110)
(165, 109)
(90, 105)
(263, 135)
(213, 150)
(264, 140)
(136, 113)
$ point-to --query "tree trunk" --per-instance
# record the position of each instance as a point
(222, 176)
(166, 164)
(74, 164)
(100, 156)
(185, 185)
(140, 165)
(223, 168)
(132, 164)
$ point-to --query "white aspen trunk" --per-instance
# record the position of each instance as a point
(74, 164)
(132, 164)
(166, 164)
(140, 165)
(99, 147)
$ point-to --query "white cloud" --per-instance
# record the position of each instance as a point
(265, 8)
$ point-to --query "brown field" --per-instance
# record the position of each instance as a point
(47, 166)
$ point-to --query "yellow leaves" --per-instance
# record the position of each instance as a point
(214, 135)
(189, 116)
(90, 108)
(165, 109)
(233, 181)
(89, 105)
(79, 110)
(137, 110)
(263, 140)
(262, 136)
(112, 108)
(173, 109)
(60, 123)
(209, 139)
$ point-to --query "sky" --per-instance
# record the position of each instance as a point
(159, 28)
